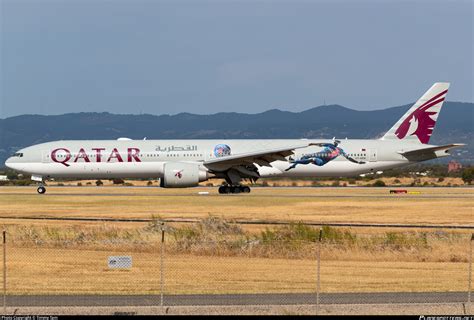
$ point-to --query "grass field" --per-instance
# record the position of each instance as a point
(70, 257)
(450, 206)
(66, 271)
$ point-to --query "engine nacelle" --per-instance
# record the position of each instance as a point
(182, 175)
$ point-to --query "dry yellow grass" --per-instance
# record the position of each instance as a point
(448, 206)
(72, 271)
(448, 181)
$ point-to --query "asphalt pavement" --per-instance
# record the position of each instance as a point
(236, 299)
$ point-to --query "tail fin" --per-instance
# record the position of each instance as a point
(418, 123)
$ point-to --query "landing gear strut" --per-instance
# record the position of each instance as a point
(233, 189)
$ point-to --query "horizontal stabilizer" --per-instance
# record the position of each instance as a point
(429, 153)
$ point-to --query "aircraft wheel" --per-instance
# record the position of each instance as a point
(245, 189)
(225, 189)
(235, 189)
(41, 190)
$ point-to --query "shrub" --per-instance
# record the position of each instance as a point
(156, 224)
(99, 183)
(288, 233)
(379, 183)
(22, 182)
(149, 183)
(12, 175)
(396, 181)
(118, 181)
(407, 240)
(336, 236)
(79, 184)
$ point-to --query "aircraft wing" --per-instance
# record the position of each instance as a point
(423, 152)
(261, 157)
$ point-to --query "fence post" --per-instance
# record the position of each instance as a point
(318, 272)
(469, 287)
(4, 272)
(162, 278)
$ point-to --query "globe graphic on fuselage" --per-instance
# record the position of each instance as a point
(221, 150)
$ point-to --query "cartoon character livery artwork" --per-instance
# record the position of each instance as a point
(330, 152)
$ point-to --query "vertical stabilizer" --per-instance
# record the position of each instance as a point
(418, 123)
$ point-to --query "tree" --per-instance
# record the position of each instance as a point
(468, 175)
(11, 175)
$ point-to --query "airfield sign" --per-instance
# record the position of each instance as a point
(120, 262)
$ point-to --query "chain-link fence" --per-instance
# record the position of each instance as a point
(295, 265)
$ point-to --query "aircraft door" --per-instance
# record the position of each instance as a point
(372, 155)
(45, 156)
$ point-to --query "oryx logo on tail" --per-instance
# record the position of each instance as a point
(419, 122)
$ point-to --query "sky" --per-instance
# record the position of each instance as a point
(168, 57)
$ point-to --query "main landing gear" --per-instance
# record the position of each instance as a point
(233, 189)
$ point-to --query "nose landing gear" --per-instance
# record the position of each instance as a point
(41, 190)
(233, 189)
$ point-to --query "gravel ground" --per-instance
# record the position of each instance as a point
(366, 309)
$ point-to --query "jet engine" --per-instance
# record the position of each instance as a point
(182, 175)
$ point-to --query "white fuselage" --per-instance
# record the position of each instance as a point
(95, 159)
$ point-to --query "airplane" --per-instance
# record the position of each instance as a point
(186, 163)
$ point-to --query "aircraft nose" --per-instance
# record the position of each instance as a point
(8, 163)
(12, 164)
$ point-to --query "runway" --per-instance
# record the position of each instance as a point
(374, 196)
(235, 299)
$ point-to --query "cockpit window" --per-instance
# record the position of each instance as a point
(18, 154)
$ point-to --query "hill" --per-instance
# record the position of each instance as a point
(455, 124)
